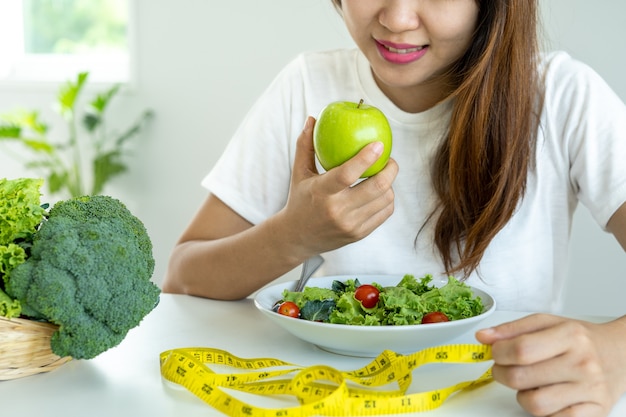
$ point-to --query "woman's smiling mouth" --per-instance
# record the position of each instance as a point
(400, 53)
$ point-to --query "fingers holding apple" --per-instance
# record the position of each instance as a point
(329, 211)
(343, 128)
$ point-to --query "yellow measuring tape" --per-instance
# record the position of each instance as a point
(320, 390)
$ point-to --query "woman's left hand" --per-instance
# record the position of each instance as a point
(560, 367)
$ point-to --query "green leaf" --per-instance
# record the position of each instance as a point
(418, 287)
(134, 129)
(8, 306)
(57, 181)
(10, 132)
(317, 310)
(39, 145)
(105, 167)
(26, 119)
(40, 164)
(21, 211)
(100, 102)
(338, 286)
(69, 92)
(32, 121)
(91, 121)
(15, 132)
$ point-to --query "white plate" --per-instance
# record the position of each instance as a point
(368, 341)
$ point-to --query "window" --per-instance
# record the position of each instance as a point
(53, 40)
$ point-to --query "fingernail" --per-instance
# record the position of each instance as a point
(307, 123)
(378, 148)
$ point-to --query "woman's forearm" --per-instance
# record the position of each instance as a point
(232, 267)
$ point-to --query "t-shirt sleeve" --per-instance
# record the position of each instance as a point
(593, 119)
(253, 174)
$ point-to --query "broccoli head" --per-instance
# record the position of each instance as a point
(89, 272)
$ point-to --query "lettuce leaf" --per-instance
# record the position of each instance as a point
(417, 287)
(21, 214)
(9, 307)
(20, 208)
(309, 294)
(455, 300)
(348, 311)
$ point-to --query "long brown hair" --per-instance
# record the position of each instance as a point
(479, 173)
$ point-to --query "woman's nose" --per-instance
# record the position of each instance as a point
(399, 15)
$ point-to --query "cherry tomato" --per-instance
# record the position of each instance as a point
(368, 295)
(289, 308)
(434, 317)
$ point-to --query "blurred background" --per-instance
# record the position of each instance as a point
(200, 64)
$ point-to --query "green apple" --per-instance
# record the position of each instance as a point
(343, 128)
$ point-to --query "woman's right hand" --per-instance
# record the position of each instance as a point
(325, 212)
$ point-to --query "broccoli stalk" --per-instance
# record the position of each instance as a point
(89, 272)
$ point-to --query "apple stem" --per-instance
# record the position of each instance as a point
(359, 105)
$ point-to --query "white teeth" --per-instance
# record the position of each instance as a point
(404, 51)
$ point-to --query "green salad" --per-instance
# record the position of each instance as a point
(411, 301)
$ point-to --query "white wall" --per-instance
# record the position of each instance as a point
(201, 64)
(594, 33)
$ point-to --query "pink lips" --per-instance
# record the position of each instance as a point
(400, 53)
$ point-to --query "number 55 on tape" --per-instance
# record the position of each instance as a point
(320, 390)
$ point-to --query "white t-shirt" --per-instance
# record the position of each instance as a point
(581, 156)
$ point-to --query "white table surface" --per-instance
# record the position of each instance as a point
(126, 380)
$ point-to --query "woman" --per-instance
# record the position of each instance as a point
(494, 145)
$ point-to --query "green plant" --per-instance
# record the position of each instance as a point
(64, 163)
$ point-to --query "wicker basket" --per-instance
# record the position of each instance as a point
(25, 348)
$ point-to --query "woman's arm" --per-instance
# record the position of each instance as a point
(617, 225)
(221, 255)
